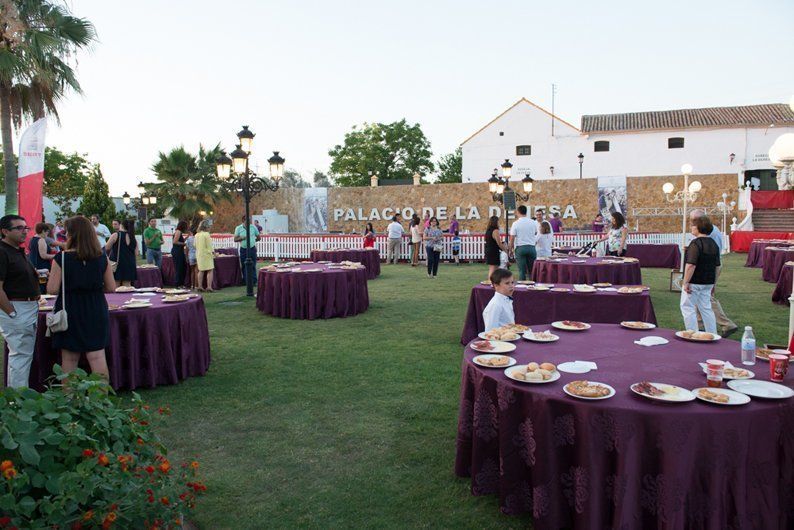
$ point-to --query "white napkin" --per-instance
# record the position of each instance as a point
(607, 289)
(577, 367)
(651, 340)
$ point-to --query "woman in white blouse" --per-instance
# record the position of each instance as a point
(544, 241)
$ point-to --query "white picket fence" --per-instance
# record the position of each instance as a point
(472, 246)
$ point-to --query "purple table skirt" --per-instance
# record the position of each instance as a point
(148, 277)
(626, 462)
(227, 272)
(159, 345)
(311, 295)
(661, 256)
(773, 263)
(543, 307)
(755, 256)
(784, 283)
(370, 258)
(592, 271)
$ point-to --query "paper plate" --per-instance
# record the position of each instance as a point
(511, 361)
(611, 392)
(498, 347)
(573, 367)
(523, 368)
(673, 393)
(761, 389)
(714, 339)
(734, 398)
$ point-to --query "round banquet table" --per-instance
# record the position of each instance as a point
(148, 277)
(784, 284)
(369, 257)
(227, 272)
(627, 461)
(774, 259)
(154, 346)
(311, 290)
(755, 256)
(586, 270)
(542, 307)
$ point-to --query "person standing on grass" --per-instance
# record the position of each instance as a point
(205, 259)
(454, 226)
(121, 247)
(87, 276)
(258, 226)
(178, 253)
(456, 248)
(395, 232)
(247, 247)
(19, 295)
(524, 234)
(190, 247)
(153, 239)
(369, 236)
(616, 237)
(544, 242)
(102, 231)
(499, 310)
(416, 241)
(493, 245)
(726, 325)
(434, 243)
(39, 253)
(700, 275)
(556, 223)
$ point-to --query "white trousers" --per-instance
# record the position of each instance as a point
(698, 300)
(20, 336)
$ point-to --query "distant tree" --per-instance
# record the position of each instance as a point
(65, 178)
(450, 167)
(393, 151)
(321, 180)
(293, 179)
(96, 197)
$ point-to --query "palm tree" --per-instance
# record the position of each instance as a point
(38, 41)
(188, 184)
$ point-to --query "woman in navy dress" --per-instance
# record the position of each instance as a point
(122, 247)
(88, 277)
(178, 253)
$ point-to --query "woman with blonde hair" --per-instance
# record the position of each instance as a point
(205, 259)
(87, 275)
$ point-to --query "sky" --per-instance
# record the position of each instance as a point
(302, 73)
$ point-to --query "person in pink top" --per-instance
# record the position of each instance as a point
(427, 221)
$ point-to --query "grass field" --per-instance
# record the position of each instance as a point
(351, 422)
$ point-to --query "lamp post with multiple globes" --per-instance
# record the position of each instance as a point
(724, 206)
(688, 194)
(503, 194)
(143, 201)
(236, 176)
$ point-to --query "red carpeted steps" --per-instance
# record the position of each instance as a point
(773, 220)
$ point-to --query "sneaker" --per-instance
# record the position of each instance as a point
(729, 331)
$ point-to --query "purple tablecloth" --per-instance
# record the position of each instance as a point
(662, 256)
(148, 277)
(227, 272)
(774, 259)
(755, 256)
(329, 293)
(784, 283)
(369, 257)
(626, 462)
(542, 307)
(593, 270)
(231, 251)
(159, 345)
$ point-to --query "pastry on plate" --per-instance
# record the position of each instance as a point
(587, 389)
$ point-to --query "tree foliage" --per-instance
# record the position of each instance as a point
(293, 179)
(96, 197)
(450, 167)
(393, 151)
(65, 178)
(321, 180)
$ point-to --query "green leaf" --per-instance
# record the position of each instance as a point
(7, 502)
(53, 485)
(8, 440)
(29, 454)
(52, 415)
(27, 505)
(54, 438)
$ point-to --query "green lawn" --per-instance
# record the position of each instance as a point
(351, 422)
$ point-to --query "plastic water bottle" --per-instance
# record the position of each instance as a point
(748, 346)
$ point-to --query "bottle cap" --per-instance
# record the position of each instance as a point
(748, 328)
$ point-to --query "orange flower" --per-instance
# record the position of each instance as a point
(140, 441)
(87, 516)
(194, 464)
(10, 473)
(6, 464)
(164, 500)
(111, 516)
(165, 467)
(103, 460)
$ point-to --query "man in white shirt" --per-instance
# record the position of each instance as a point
(102, 232)
(499, 310)
(395, 234)
(524, 233)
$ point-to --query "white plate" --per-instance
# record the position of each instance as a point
(559, 325)
(573, 367)
(729, 378)
(511, 361)
(147, 289)
(611, 392)
(49, 296)
(523, 367)
(531, 336)
(145, 294)
(681, 395)
(125, 289)
(499, 347)
(538, 288)
(678, 334)
(734, 398)
(762, 389)
(650, 326)
(482, 336)
(136, 305)
(580, 288)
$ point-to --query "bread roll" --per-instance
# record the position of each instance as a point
(531, 367)
(548, 366)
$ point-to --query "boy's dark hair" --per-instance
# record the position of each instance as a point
(522, 209)
(500, 274)
(456, 232)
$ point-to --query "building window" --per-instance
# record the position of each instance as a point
(675, 143)
(501, 133)
(601, 145)
(523, 150)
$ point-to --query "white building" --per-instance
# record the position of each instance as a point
(716, 140)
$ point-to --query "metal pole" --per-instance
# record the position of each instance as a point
(683, 221)
(249, 264)
(580, 170)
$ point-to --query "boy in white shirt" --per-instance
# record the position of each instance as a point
(499, 310)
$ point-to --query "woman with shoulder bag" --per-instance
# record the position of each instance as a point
(434, 239)
(80, 276)
(122, 245)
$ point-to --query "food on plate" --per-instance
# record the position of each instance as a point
(125, 289)
(560, 289)
(574, 324)
(735, 373)
(544, 335)
(697, 335)
(635, 324)
(602, 284)
(763, 353)
(716, 397)
(499, 360)
(175, 298)
(506, 332)
(648, 389)
(484, 345)
(534, 372)
(630, 290)
(587, 389)
(584, 288)
(112, 307)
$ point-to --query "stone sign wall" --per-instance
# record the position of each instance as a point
(349, 209)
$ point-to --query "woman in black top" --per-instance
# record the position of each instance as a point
(493, 245)
(700, 274)
(88, 276)
(122, 247)
(178, 253)
(39, 253)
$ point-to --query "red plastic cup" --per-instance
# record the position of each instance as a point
(778, 366)
(714, 371)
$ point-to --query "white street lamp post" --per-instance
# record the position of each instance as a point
(684, 196)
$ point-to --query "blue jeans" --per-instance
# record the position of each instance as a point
(433, 259)
(154, 256)
(244, 253)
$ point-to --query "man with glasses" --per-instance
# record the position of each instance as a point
(19, 295)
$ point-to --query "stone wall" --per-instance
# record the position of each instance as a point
(577, 201)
